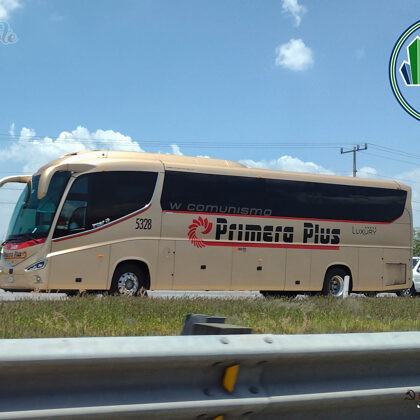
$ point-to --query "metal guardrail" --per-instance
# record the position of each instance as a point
(337, 376)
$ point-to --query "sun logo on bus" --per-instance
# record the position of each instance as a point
(192, 232)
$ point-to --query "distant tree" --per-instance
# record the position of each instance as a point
(416, 242)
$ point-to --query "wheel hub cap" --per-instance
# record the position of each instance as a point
(336, 286)
(128, 284)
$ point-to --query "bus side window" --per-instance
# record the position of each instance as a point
(116, 194)
(99, 198)
(72, 218)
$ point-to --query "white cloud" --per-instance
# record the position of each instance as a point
(8, 6)
(176, 150)
(32, 152)
(287, 163)
(411, 178)
(295, 9)
(367, 172)
(294, 55)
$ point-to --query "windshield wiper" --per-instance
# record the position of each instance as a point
(19, 238)
(29, 236)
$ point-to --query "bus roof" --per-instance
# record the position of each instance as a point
(118, 160)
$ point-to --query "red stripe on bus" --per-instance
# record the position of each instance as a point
(279, 217)
(270, 245)
(78, 235)
(13, 246)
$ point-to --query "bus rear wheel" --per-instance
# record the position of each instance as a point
(407, 292)
(129, 280)
(334, 282)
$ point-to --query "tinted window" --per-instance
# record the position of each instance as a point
(184, 191)
(97, 199)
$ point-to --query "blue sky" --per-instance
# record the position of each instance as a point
(227, 79)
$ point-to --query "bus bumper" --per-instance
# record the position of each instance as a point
(22, 281)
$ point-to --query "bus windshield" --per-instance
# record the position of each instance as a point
(32, 218)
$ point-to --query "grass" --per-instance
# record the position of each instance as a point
(119, 316)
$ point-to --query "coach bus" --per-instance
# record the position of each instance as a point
(127, 222)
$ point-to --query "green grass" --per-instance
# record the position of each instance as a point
(119, 316)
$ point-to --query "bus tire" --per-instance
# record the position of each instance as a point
(129, 280)
(334, 282)
(407, 292)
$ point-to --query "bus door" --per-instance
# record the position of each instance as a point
(166, 265)
(76, 260)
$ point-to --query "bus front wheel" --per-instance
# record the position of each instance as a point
(129, 280)
(334, 282)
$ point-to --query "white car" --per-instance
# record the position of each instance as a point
(416, 274)
(415, 288)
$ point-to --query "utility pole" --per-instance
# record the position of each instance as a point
(355, 149)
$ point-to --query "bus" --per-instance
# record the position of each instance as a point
(127, 222)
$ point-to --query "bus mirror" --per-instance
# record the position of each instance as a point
(21, 179)
(48, 173)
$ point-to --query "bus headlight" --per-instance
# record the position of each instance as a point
(39, 265)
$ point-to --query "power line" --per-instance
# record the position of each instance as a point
(396, 160)
(8, 137)
(394, 151)
(207, 143)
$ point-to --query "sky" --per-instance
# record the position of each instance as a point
(281, 84)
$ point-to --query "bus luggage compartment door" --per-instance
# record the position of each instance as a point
(258, 268)
(395, 266)
(207, 268)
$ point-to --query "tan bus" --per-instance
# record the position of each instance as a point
(128, 222)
